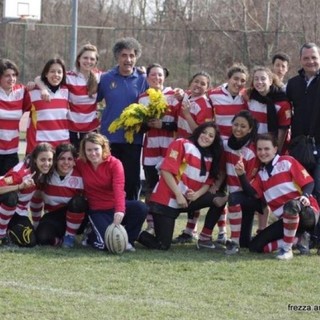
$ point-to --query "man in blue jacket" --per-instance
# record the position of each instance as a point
(120, 87)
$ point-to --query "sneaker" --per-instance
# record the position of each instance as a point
(205, 244)
(130, 248)
(150, 230)
(284, 255)
(222, 238)
(184, 238)
(232, 248)
(68, 241)
(4, 241)
(303, 244)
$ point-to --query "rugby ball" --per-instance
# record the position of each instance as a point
(116, 238)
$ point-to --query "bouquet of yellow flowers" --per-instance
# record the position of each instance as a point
(135, 114)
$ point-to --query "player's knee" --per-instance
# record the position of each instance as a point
(44, 236)
(78, 203)
(292, 207)
(10, 199)
(23, 236)
(256, 246)
(307, 219)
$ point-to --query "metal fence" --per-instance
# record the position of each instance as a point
(183, 52)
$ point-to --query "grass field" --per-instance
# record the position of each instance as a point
(183, 283)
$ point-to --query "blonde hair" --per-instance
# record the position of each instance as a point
(92, 84)
(95, 138)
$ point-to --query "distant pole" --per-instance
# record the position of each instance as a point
(74, 33)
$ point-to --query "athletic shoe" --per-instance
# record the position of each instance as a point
(222, 238)
(68, 241)
(232, 248)
(57, 242)
(303, 244)
(130, 248)
(184, 238)
(205, 244)
(150, 230)
(284, 254)
(4, 241)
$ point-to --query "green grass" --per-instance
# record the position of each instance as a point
(183, 283)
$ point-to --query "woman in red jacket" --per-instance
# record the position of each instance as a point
(103, 179)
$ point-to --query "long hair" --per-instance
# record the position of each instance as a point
(41, 180)
(92, 83)
(214, 150)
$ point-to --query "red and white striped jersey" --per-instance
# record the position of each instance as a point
(201, 111)
(58, 192)
(15, 176)
(83, 109)
(250, 160)
(283, 184)
(48, 120)
(225, 107)
(12, 107)
(156, 141)
(183, 160)
(259, 112)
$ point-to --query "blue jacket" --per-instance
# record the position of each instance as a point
(119, 92)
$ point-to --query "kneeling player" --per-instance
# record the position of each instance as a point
(286, 187)
(18, 186)
(64, 205)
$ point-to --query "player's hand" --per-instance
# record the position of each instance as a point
(239, 167)
(31, 85)
(45, 95)
(27, 182)
(305, 201)
(182, 201)
(191, 195)
(141, 69)
(178, 94)
(118, 217)
(213, 189)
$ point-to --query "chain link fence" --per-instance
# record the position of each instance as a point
(183, 52)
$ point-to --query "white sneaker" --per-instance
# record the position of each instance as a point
(303, 244)
(150, 230)
(222, 238)
(130, 248)
(232, 248)
(284, 255)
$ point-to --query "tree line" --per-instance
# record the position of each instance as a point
(183, 35)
